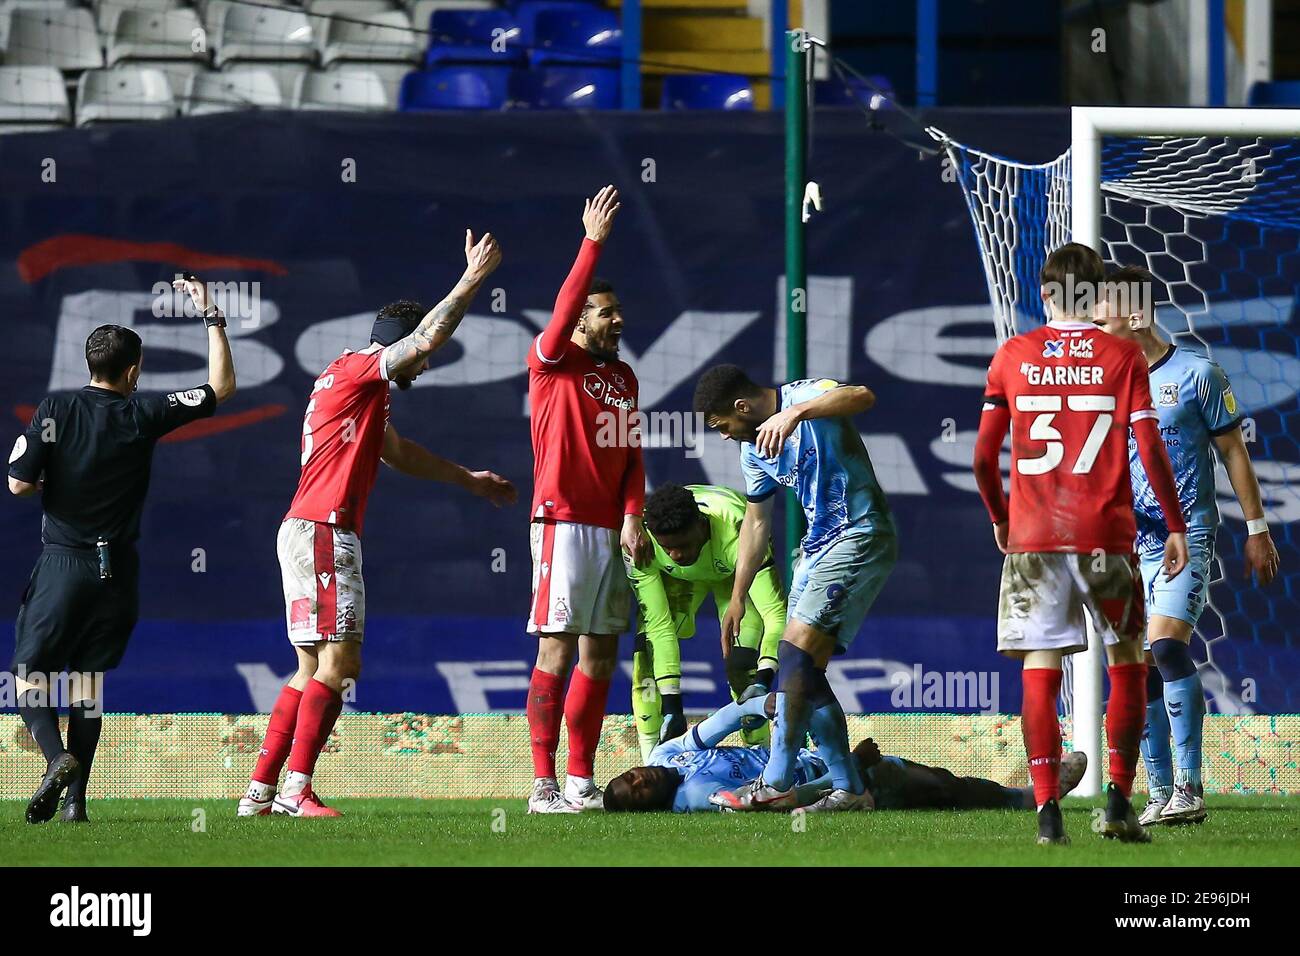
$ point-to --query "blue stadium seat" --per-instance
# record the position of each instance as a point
(833, 92)
(578, 35)
(451, 88)
(1276, 93)
(566, 87)
(466, 36)
(707, 91)
(527, 12)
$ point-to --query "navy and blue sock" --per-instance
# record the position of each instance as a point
(1185, 704)
(1156, 753)
(831, 732)
(801, 683)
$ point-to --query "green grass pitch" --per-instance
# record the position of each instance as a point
(1241, 831)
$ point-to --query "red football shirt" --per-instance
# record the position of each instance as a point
(1072, 391)
(587, 463)
(342, 438)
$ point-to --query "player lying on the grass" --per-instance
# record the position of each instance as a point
(88, 454)
(802, 436)
(1069, 394)
(1197, 411)
(695, 531)
(688, 774)
(345, 434)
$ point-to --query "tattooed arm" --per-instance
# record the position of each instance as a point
(415, 460)
(406, 356)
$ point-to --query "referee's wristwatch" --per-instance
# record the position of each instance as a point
(212, 317)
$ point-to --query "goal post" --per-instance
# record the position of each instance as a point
(1209, 201)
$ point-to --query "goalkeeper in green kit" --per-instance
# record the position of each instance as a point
(695, 531)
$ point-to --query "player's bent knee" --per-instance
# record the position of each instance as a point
(815, 643)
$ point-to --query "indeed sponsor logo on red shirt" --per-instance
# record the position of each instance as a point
(608, 393)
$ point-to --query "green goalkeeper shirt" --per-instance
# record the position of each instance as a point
(669, 595)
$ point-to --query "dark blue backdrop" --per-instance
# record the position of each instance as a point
(331, 216)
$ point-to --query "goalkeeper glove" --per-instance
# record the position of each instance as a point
(674, 724)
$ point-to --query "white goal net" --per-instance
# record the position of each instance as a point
(1214, 215)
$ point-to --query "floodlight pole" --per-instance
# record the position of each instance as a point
(796, 268)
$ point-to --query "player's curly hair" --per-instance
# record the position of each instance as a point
(599, 286)
(718, 388)
(670, 509)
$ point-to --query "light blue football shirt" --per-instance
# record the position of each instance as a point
(826, 463)
(707, 770)
(1195, 404)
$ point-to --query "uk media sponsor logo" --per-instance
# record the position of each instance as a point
(76, 909)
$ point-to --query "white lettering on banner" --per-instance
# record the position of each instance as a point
(959, 453)
(1277, 486)
(82, 313)
(492, 348)
(690, 343)
(916, 345)
(470, 682)
(829, 322)
(264, 687)
(876, 676)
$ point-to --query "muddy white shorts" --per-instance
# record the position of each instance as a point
(1046, 595)
(320, 567)
(579, 585)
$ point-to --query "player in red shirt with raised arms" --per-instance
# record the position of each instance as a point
(345, 434)
(1070, 394)
(588, 489)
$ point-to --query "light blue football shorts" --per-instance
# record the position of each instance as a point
(833, 588)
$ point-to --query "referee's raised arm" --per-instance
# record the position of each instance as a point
(221, 368)
(89, 454)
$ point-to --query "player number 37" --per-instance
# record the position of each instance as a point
(1048, 407)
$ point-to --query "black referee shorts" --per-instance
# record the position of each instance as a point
(72, 620)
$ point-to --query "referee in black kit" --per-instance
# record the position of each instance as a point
(88, 454)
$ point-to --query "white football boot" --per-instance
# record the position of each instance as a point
(582, 794)
(546, 797)
(256, 801)
(1150, 816)
(841, 801)
(1185, 806)
(755, 795)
